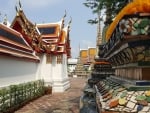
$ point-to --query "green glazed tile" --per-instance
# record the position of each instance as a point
(123, 94)
(136, 25)
(140, 97)
(148, 99)
(115, 93)
(144, 23)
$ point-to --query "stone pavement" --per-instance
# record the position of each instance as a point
(66, 102)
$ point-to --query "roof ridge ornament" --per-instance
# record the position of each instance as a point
(63, 19)
(70, 20)
(69, 24)
(5, 20)
(65, 14)
(17, 10)
(18, 7)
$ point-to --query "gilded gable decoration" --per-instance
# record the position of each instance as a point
(51, 38)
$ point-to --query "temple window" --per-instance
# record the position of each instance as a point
(48, 30)
(48, 59)
(59, 59)
(11, 36)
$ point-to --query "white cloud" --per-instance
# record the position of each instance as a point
(74, 52)
(40, 3)
(86, 43)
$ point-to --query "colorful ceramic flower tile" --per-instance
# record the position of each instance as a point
(130, 104)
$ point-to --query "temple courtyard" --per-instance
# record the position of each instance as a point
(66, 102)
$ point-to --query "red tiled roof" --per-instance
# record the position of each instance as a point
(51, 37)
(13, 44)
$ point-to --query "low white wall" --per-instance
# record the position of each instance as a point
(15, 71)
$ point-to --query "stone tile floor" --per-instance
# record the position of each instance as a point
(66, 102)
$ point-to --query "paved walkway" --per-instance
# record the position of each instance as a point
(66, 102)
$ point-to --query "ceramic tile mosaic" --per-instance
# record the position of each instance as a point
(122, 100)
(130, 105)
(133, 99)
(146, 109)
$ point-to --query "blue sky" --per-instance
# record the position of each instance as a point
(39, 11)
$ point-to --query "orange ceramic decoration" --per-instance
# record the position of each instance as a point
(137, 6)
(113, 103)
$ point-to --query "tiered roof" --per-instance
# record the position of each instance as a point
(24, 39)
(13, 44)
(52, 38)
(55, 36)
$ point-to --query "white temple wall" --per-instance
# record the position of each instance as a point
(72, 64)
(15, 71)
(45, 71)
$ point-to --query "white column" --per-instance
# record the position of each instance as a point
(60, 77)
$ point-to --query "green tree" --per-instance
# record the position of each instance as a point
(110, 8)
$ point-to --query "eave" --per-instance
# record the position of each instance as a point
(9, 52)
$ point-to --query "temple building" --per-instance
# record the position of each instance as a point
(87, 56)
(31, 51)
(72, 63)
(84, 61)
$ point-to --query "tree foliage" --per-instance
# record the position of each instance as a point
(111, 8)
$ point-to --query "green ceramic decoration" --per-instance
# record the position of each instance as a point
(140, 97)
(115, 93)
(136, 25)
(123, 94)
(144, 23)
(143, 31)
(148, 99)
